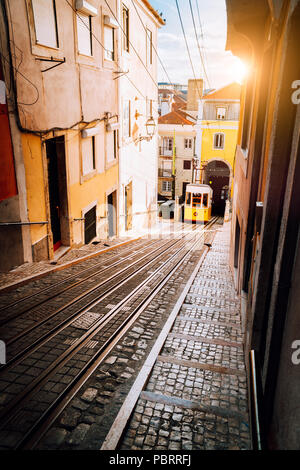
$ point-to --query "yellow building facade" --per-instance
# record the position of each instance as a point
(217, 132)
(64, 120)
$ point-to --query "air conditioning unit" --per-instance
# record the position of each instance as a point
(112, 127)
(86, 8)
(90, 132)
(110, 21)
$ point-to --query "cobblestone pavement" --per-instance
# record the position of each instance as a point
(196, 396)
(86, 420)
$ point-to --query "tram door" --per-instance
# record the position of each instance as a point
(128, 206)
(112, 214)
(54, 197)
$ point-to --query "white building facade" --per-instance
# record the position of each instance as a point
(137, 80)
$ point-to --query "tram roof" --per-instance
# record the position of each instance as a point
(197, 187)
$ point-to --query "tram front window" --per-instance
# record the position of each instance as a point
(188, 199)
(205, 200)
(197, 199)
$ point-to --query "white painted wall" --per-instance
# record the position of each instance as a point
(138, 160)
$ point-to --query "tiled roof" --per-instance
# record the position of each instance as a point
(228, 92)
(174, 117)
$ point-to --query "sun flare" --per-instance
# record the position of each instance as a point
(240, 70)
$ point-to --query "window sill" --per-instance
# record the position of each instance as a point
(88, 176)
(47, 52)
(87, 60)
(109, 64)
(111, 164)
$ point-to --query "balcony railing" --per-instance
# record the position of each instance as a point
(164, 173)
(166, 152)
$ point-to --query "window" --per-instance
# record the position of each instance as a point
(197, 199)
(84, 34)
(125, 27)
(109, 43)
(116, 141)
(126, 119)
(166, 186)
(218, 141)
(88, 155)
(166, 168)
(45, 24)
(149, 47)
(168, 143)
(112, 146)
(187, 143)
(188, 199)
(205, 200)
(187, 164)
(221, 113)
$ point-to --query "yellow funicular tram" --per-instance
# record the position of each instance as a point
(198, 201)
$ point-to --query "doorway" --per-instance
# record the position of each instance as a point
(57, 186)
(237, 243)
(90, 223)
(112, 213)
(128, 206)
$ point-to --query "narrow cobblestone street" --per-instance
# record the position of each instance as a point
(196, 396)
(188, 338)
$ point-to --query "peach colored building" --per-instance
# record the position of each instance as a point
(65, 109)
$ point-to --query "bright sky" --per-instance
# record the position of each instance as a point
(221, 66)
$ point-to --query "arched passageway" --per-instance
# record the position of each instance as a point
(217, 175)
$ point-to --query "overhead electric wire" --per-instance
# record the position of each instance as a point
(191, 62)
(145, 67)
(187, 46)
(202, 35)
(200, 53)
(103, 47)
(200, 24)
(153, 47)
(25, 78)
(198, 45)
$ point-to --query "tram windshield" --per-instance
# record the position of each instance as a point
(197, 199)
(188, 199)
(205, 200)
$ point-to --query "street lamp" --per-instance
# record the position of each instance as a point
(150, 127)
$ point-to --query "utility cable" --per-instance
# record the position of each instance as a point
(100, 43)
(145, 67)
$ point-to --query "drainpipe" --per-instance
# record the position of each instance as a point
(173, 168)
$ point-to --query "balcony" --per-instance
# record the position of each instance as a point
(162, 173)
(165, 152)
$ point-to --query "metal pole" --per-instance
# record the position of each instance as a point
(173, 168)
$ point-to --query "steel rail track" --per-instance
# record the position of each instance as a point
(42, 424)
(59, 283)
(71, 318)
(29, 309)
(134, 251)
